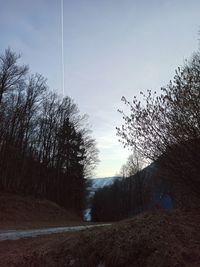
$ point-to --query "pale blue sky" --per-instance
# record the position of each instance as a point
(112, 48)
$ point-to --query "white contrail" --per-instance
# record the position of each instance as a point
(62, 47)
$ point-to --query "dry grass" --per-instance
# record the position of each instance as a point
(157, 239)
(27, 212)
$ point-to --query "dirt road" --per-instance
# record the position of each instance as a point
(17, 234)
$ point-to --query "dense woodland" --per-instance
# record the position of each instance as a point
(129, 196)
(45, 149)
(121, 200)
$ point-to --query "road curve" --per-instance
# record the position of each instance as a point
(17, 234)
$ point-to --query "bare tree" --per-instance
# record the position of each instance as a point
(45, 148)
(11, 74)
(167, 127)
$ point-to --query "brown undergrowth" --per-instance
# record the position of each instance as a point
(153, 239)
(18, 212)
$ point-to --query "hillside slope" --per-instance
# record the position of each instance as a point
(28, 212)
(159, 239)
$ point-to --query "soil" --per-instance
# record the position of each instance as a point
(153, 239)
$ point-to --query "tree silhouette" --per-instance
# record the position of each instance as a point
(45, 149)
(166, 127)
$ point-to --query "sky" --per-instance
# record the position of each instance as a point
(112, 48)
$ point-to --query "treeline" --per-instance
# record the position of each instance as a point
(115, 202)
(45, 150)
(127, 196)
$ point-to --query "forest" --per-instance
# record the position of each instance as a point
(45, 149)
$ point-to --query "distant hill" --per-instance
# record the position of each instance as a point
(97, 183)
